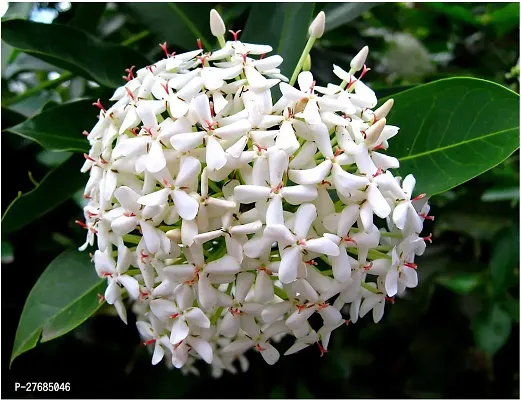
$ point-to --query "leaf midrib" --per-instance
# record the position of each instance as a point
(450, 146)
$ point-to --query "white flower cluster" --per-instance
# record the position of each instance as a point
(229, 220)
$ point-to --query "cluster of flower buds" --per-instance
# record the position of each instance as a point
(228, 220)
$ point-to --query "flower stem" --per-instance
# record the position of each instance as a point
(219, 311)
(368, 287)
(132, 238)
(307, 49)
(280, 292)
(137, 37)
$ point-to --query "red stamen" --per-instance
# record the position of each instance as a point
(277, 188)
(99, 105)
(210, 126)
(134, 131)
(338, 151)
(165, 86)
(347, 322)
(235, 34)
(378, 172)
(390, 299)
(379, 147)
(262, 56)
(322, 350)
(87, 157)
(126, 78)
(101, 298)
(131, 214)
(364, 71)
(348, 117)
(368, 266)
(90, 214)
(419, 197)
(258, 347)
(166, 183)
(149, 341)
(425, 216)
(351, 82)
(322, 306)
(212, 109)
(301, 307)
(410, 265)
(301, 242)
(364, 134)
(177, 345)
(324, 182)
(130, 71)
(143, 256)
(311, 262)
(174, 316)
(164, 47)
(106, 274)
(85, 133)
(103, 161)
(264, 269)
(130, 94)
(143, 295)
(235, 311)
(428, 238)
(149, 67)
(312, 87)
(244, 57)
(350, 239)
(86, 196)
(199, 44)
(259, 147)
(202, 59)
(148, 130)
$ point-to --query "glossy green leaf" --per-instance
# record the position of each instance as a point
(491, 329)
(342, 13)
(283, 26)
(55, 188)
(87, 15)
(73, 50)
(178, 24)
(453, 130)
(504, 260)
(64, 296)
(60, 128)
(461, 283)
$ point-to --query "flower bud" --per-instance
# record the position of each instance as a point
(316, 29)
(216, 24)
(374, 132)
(358, 61)
(174, 235)
(384, 109)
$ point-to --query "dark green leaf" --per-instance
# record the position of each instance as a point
(453, 130)
(283, 26)
(60, 128)
(504, 260)
(56, 187)
(461, 283)
(391, 91)
(7, 252)
(52, 159)
(26, 62)
(491, 329)
(87, 15)
(511, 305)
(64, 296)
(178, 24)
(342, 13)
(73, 50)
(504, 19)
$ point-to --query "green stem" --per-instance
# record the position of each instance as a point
(345, 83)
(214, 186)
(370, 288)
(166, 228)
(132, 238)
(307, 49)
(219, 311)
(137, 37)
(37, 89)
(281, 293)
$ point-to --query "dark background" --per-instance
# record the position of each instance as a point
(427, 345)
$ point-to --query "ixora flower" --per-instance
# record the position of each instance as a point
(213, 211)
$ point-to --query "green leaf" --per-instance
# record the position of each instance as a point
(460, 283)
(178, 24)
(7, 252)
(64, 296)
(55, 188)
(342, 13)
(26, 62)
(60, 128)
(283, 26)
(504, 260)
(453, 130)
(491, 329)
(73, 50)
(87, 15)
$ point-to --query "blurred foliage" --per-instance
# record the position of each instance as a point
(456, 335)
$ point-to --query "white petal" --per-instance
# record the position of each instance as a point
(150, 236)
(243, 285)
(156, 198)
(341, 266)
(229, 325)
(347, 219)
(206, 293)
(275, 212)
(215, 155)
(305, 81)
(189, 169)
(321, 137)
(299, 194)
(299, 318)
(185, 204)
(203, 348)
(178, 108)
(224, 265)
(377, 201)
(146, 114)
(323, 246)
(286, 139)
(330, 315)
(304, 217)
(251, 193)
(163, 308)
(269, 353)
(233, 130)
(400, 214)
(130, 284)
(278, 163)
(180, 330)
(159, 353)
(263, 291)
(196, 317)
(290, 92)
(291, 258)
(311, 176)
(187, 141)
